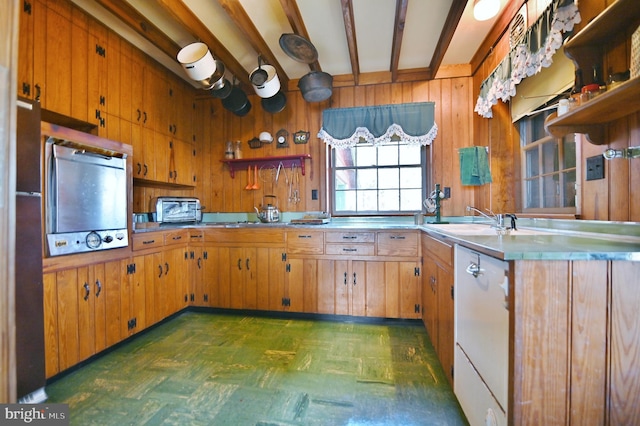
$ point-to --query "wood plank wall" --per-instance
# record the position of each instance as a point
(220, 193)
(616, 197)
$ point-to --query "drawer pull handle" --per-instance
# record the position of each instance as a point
(177, 238)
(349, 249)
(349, 237)
(304, 236)
(149, 242)
(397, 237)
(196, 236)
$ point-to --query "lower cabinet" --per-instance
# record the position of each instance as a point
(82, 313)
(437, 299)
(133, 296)
(249, 278)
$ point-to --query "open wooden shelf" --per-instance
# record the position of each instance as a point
(591, 117)
(286, 160)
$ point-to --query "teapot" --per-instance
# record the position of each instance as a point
(268, 213)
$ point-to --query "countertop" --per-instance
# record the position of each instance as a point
(561, 239)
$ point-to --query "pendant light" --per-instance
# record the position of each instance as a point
(485, 9)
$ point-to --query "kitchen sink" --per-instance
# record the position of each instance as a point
(482, 229)
(241, 224)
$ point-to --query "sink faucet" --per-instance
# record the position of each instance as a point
(497, 219)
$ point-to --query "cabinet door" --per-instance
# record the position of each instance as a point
(327, 286)
(26, 37)
(111, 289)
(445, 322)
(430, 299)
(358, 288)
(624, 343)
(151, 278)
(301, 293)
(236, 275)
(210, 275)
(133, 296)
(50, 304)
(410, 291)
(181, 162)
(79, 65)
(86, 322)
(67, 304)
(91, 311)
(57, 90)
(98, 76)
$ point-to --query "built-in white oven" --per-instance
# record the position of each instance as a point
(481, 359)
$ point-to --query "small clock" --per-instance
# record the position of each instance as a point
(281, 138)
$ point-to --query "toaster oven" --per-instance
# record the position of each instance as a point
(178, 210)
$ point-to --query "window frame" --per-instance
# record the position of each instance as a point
(527, 135)
(424, 167)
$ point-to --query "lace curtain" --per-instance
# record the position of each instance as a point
(541, 42)
(411, 123)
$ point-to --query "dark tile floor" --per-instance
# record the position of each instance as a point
(214, 369)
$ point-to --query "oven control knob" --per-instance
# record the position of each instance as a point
(108, 239)
(93, 240)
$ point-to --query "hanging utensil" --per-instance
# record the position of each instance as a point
(255, 178)
(258, 76)
(249, 186)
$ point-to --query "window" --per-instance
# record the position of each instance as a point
(549, 168)
(378, 180)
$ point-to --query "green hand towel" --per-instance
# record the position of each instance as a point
(474, 166)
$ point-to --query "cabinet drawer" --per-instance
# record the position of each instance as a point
(350, 237)
(196, 235)
(305, 242)
(176, 237)
(350, 249)
(147, 240)
(437, 249)
(397, 243)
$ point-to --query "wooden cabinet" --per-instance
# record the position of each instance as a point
(341, 287)
(82, 313)
(133, 299)
(610, 30)
(437, 299)
(249, 267)
(181, 163)
(31, 52)
(165, 260)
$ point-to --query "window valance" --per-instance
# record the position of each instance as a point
(541, 42)
(412, 123)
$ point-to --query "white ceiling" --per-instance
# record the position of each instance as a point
(374, 23)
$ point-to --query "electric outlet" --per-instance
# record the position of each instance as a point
(447, 192)
(314, 194)
(595, 167)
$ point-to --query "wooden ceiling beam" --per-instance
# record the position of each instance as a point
(449, 28)
(294, 17)
(140, 24)
(244, 23)
(183, 15)
(401, 14)
(350, 29)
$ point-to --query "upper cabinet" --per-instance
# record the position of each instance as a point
(603, 42)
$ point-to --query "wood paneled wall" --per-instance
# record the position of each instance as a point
(220, 193)
(616, 197)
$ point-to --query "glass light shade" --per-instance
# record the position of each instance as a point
(485, 9)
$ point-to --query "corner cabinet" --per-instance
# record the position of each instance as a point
(611, 28)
